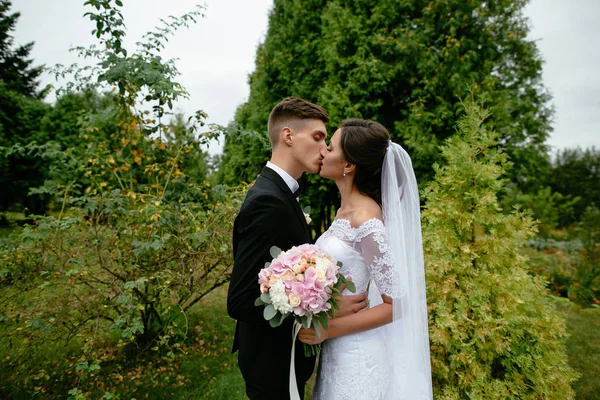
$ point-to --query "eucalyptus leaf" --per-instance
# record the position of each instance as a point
(265, 298)
(275, 251)
(276, 320)
(283, 317)
(305, 323)
(269, 312)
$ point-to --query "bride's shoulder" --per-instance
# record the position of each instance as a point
(369, 214)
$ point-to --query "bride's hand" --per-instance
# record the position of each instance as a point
(309, 336)
(351, 304)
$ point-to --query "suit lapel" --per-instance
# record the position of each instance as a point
(273, 176)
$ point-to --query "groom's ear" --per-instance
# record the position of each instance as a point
(286, 135)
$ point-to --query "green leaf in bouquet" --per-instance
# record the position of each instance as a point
(311, 350)
(269, 312)
(276, 320)
(317, 328)
(324, 320)
(275, 251)
(306, 210)
(339, 264)
(265, 298)
(335, 306)
(305, 322)
(259, 302)
(350, 286)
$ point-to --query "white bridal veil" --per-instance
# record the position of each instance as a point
(407, 336)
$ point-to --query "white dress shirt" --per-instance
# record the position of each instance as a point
(287, 178)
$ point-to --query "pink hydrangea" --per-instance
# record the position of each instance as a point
(307, 274)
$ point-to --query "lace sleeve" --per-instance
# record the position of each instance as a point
(374, 248)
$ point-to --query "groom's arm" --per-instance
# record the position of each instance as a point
(260, 225)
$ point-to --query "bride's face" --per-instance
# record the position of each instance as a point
(332, 165)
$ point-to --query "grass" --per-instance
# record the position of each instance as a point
(211, 365)
(9, 222)
(205, 369)
(583, 348)
(5, 231)
(216, 376)
(210, 368)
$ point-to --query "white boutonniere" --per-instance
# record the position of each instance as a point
(306, 212)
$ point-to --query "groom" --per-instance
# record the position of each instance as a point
(271, 216)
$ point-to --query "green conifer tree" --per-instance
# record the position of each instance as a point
(493, 330)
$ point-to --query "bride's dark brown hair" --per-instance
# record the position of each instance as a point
(364, 143)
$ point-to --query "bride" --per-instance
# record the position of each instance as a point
(382, 352)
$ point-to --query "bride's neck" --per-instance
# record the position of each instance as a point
(350, 197)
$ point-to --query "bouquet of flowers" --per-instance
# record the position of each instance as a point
(302, 282)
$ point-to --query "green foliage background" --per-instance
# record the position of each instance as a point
(405, 64)
(100, 297)
(494, 332)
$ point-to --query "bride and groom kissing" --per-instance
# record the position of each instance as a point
(377, 346)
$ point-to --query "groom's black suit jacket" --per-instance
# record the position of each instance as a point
(269, 216)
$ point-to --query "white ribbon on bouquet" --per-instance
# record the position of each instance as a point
(294, 395)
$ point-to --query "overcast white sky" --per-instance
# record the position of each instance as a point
(217, 54)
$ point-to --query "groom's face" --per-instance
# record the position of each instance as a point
(308, 143)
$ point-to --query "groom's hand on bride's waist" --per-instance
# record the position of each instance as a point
(351, 304)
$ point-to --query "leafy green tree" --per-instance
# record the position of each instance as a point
(404, 64)
(136, 242)
(550, 208)
(194, 160)
(20, 116)
(585, 286)
(20, 119)
(16, 70)
(64, 122)
(287, 64)
(494, 332)
(576, 173)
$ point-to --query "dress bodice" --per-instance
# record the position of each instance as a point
(364, 253)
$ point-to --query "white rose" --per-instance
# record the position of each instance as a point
(321, 267)
(297, 268)
(294, 299)
(320, 275)
(322, 264)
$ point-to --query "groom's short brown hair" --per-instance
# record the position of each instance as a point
(292, 108)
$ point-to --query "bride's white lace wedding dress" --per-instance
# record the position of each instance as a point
(357, 366)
